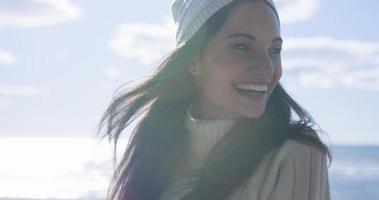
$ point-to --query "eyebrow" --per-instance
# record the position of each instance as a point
(251, 37)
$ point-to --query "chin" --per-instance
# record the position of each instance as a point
(254, 115)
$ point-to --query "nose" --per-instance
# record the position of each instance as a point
(262, 65)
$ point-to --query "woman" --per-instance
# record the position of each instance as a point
(215, 123)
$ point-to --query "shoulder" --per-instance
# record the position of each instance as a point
(294, 170)
(292, 154)
(299, 148)
(295, 152)
(301, 173)
(291, 146)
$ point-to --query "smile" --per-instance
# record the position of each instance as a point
(251, 89)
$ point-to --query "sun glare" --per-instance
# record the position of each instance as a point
(68, 168)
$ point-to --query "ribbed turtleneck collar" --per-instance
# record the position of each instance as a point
(205, 133)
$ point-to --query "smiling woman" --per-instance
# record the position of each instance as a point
(215, 121)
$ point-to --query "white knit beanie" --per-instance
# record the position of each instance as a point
(190, 15)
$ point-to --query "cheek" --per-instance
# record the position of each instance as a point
(220, 68)
(216, 86)
(217, 83)
(278, 72)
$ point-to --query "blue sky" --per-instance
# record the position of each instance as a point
(62, 60)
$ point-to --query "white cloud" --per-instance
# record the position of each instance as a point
(324, 62)
(5, 103)
(293, 11)
(62, 56)
(351, 138)
(146, 43)
(22, 90)
(112, 72)
(7, 58)
(36, 13)
(352, 47)
(363, 79)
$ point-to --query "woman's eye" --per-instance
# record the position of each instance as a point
(241, 46)
(275, 50)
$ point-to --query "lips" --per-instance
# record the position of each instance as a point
(251, 89)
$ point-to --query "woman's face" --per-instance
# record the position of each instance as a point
(240, 65)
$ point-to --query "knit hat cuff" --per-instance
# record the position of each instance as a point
(190, 24)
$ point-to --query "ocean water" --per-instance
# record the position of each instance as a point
(52, 168)
(354, 173)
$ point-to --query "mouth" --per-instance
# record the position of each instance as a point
(251, 90)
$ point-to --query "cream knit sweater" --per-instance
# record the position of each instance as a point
(297, 172)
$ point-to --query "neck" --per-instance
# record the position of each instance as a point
(205, 133)
(201, 109)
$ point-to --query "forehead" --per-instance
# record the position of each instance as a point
(254, 17)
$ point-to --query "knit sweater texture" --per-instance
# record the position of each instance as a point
(296, 172)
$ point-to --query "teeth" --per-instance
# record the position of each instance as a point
(253, 87)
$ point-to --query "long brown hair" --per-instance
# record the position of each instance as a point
(160, 137)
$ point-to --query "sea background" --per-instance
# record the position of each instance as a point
(72, 168)
(354, 173)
